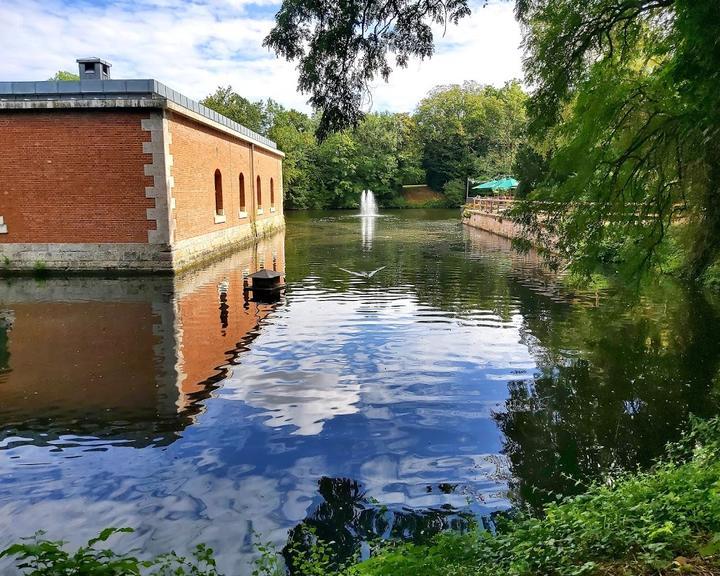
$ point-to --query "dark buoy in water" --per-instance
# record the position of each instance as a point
(266, 285)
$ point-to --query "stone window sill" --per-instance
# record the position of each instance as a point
(259, 211)
(242, 214)
(219, 218)
(272, 209)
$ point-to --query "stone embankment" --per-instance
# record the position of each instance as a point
(492, 215)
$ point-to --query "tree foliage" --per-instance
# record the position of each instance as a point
(624, 139)
(224, 100)
(63, 75)
(342, 46)
(630, 92)
(456, 132)
(470, 131)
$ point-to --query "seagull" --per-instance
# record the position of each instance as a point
(363, 274)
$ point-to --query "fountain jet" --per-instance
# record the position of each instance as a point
(368, 206)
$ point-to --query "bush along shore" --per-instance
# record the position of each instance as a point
(663, 521)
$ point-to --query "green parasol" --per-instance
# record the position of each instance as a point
(506, 183)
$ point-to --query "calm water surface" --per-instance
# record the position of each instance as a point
(458, 380)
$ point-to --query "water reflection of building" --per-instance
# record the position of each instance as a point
(214, 318)
(127, 359)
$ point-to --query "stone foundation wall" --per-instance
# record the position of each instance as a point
(193, 251)
(85, 257)
(494, 223)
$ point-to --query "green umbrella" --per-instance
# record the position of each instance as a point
(506, 183)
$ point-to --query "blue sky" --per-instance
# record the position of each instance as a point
(196, 45)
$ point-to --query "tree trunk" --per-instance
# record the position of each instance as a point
(706, 239)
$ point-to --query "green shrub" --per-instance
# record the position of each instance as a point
(637, 524)
(455, 191)
(37, 556)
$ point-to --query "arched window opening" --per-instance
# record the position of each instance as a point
(259, 193)
(241, 182)
(272, 192)
(218, 194)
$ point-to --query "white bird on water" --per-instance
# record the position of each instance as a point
(363, 274)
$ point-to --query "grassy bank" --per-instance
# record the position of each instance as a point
(663, 521)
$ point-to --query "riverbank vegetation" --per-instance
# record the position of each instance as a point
(456, 132)
(664, 521)
(625, 114)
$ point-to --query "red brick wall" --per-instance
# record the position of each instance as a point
(74, 176)
(198, 151)
(267, 167)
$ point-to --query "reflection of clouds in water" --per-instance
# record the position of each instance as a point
(300, 399)
(368, 382)
(316, 361)
(404, 480)
(176, 506)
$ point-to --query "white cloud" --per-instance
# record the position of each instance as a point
(196, 46)
(484, 47)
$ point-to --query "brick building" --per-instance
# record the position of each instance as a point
(104, 174)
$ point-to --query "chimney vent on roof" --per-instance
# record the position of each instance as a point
(94, 69)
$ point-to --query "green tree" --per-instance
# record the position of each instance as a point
(530, 168)
(341, 47)
(335, 172)
(377, 140)
(293, 132)
(448, 121)
(63, 75)
(410, 170)
(229, 103)
(632, 91)
(470, 131)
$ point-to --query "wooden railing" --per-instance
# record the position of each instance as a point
(502, 205)
(491, 204)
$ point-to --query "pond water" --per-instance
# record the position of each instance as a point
(458, 380)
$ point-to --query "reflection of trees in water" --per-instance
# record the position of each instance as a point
(347, 517)
(618, 371)
(5, 327)
(640, 369)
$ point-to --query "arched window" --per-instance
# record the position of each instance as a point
(259, 193)
(272, 192)
(218, 194)
(241, 182)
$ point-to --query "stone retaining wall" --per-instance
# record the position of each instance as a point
(495, 223)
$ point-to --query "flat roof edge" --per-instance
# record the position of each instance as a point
(116, 93)
(140, 101)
